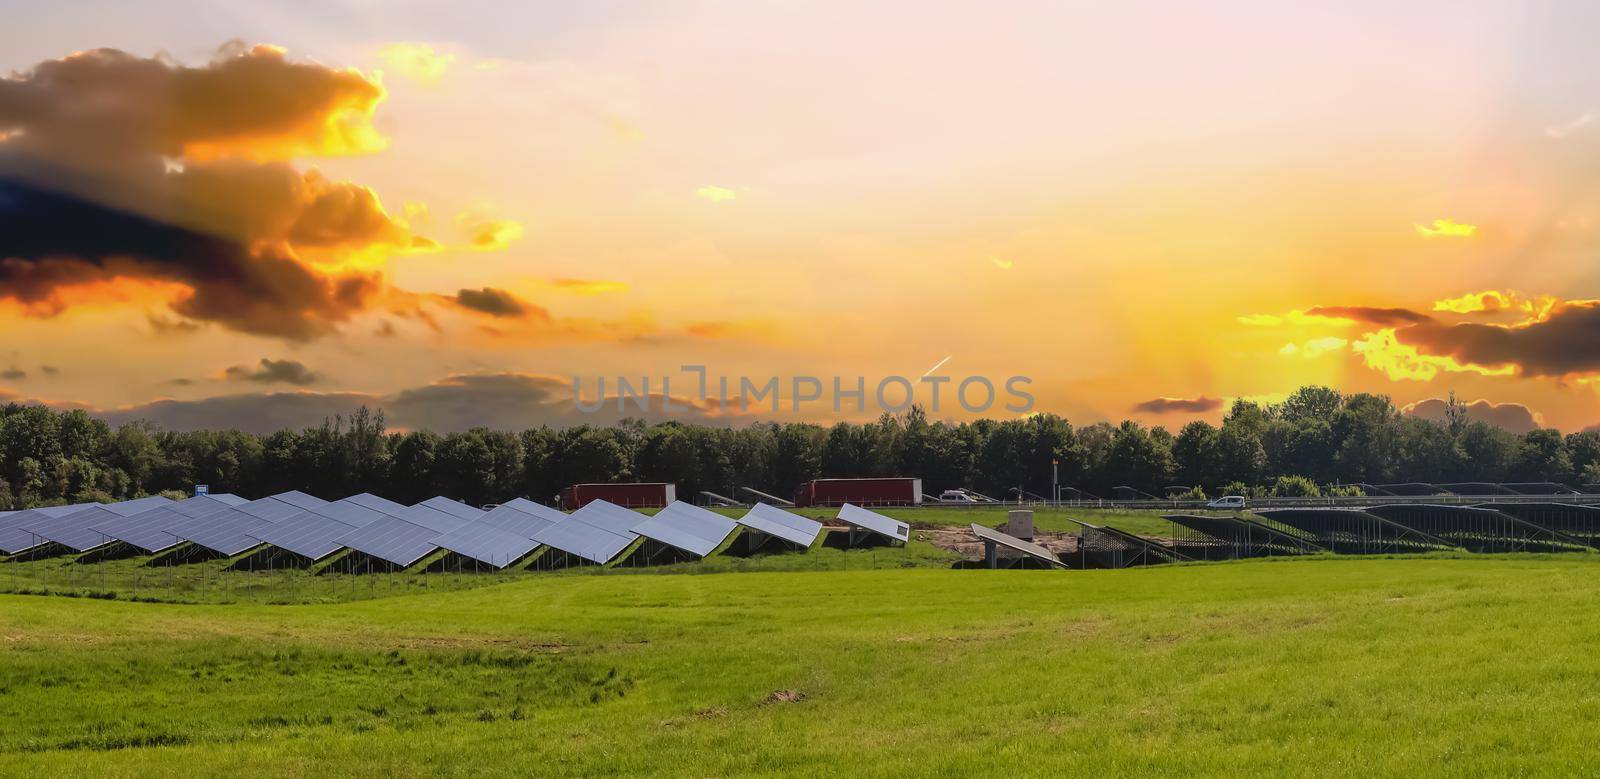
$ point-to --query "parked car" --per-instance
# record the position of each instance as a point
(1226, 502)
(956, 496)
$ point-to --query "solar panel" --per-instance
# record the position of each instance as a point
(594, 532)
(537, 509)
(350, 514)
(368, 500)
(514, 520)
(609, 516)
(484, 543)
(781, 524)
(688, 527)
(433, 519)
(393, 540)
(228, 532)
(309, 534)
(14, 539)
(857, 516)
(300, 500)
(151, 531)
(454, 508)
(270, 509)
(1026, 547)
(75, 530)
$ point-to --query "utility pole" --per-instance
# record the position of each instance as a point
(1055, 483)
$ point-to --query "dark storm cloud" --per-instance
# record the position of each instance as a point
(497, 303)
(1513, 417)
(1566, 342)
(1178, 405)
(1382, 317)
(51, 240)
(504, 401)
(88, 192)
(274, 372)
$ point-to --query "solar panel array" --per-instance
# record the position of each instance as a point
(687, 527)
(393, 540)
(151, 531)
(75, 530)
(778, 523)
(454, 508)
(598, 532)
(15, 540)
(316, 534)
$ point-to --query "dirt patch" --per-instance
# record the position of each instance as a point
(963, 542)
(786, 696)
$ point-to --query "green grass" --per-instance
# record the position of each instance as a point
(1350, 666)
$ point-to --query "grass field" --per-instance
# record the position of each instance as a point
(1436, 665)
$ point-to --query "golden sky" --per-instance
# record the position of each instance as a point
(277, 211)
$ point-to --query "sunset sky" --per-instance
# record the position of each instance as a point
(272, 212)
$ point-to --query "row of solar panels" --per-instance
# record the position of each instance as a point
(400, 536)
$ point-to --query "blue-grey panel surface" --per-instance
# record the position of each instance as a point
(610, 516)
(577, 535)
(74, 531)
(226, 532)
(537, 509)
(375, 503)
(14, 539)
(1026, 547)
(512, 519)
(300, 500)
(487, 544)
(309, 533)
(892, 529)
(687, 527)
(454, 508)
(270, 509)
(151, 531)
(782, 524)
(393, 540)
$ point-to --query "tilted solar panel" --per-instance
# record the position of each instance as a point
(300, 500)
(517, 522)
(392, 540)
(1026, 547)
(610, 516)
(270, 509)
(14, 539)
(351, 514)
(151, 531)
(578, 537)
(309, 534)
(537, 509)
(454, 508)
(487, 544)
(892, 529)
(226, 533)
(75, 531)
(782, 524)
(371, 501)
(433, 519)
(687, 527)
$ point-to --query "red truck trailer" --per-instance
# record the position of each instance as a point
(633, 496)
(888, 491)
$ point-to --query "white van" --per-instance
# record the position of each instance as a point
(1227, 502)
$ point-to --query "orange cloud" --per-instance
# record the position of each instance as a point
(417, 61)
(486, 233)
(1446, 228)
(589, 287)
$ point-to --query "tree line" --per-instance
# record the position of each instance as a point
(1316, 438)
